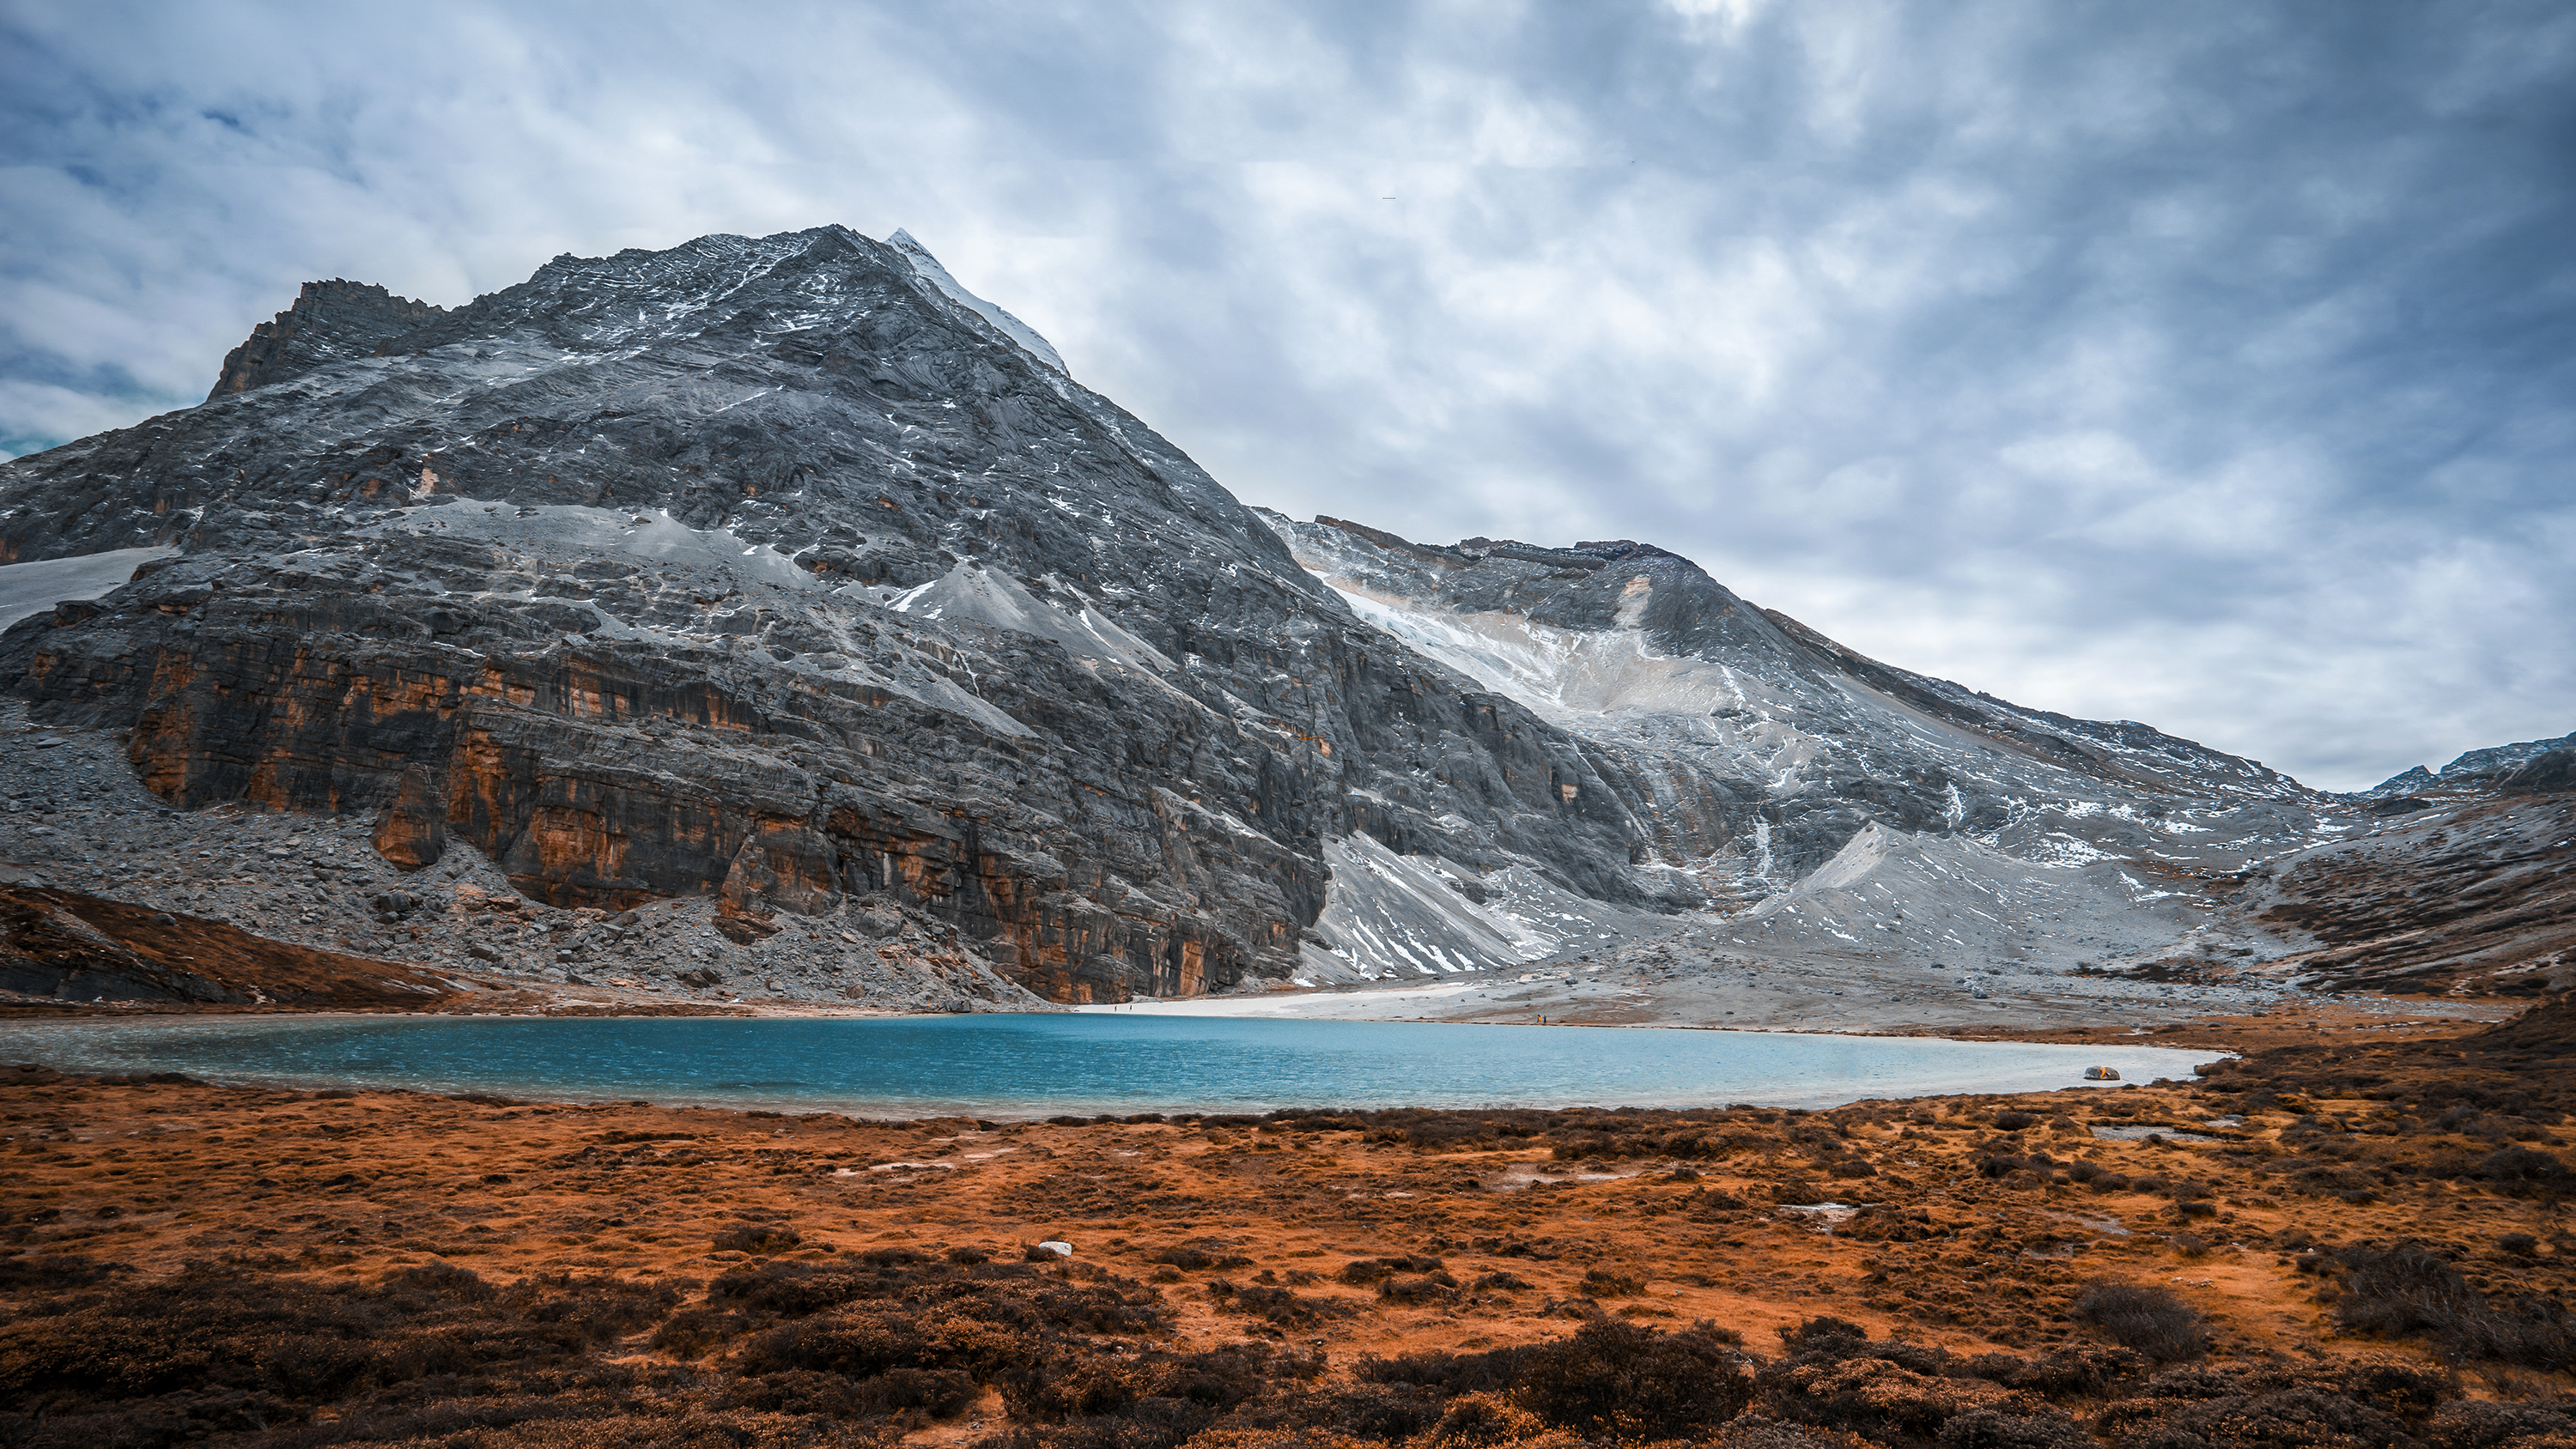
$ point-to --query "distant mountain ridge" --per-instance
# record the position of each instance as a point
(2473, 766)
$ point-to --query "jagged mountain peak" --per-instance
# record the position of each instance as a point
(2502, 759)
(1759, 749)
(327, 322)
(2472, 770)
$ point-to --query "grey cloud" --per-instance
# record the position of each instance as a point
(2209, 365)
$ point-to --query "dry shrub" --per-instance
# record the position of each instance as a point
(1448, 1374)
(45, 1273)
(1610, 1378)
(2151, 1320)
(1153, 1399)
(2299, 1417)
(1415, 1290)
(1364, 1271)
(938, 1393)
(1375, 1411)
(597, 1308)
(2406, 1291)
(1200, 1253)
(1608, 1283)
(1753, 1431)
(1635, 1383)
(2494, 1426)
(2526, 1172)
(697, 1332)
(2090, 1371)
(1822, 1334)
(1299, 1438)
(1994, 1429)
(1279, 1307)
(210, 1352)
(1837, 1378)
(1482, 1419)
(757, 1238)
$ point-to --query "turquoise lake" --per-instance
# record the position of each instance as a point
(1039, 1065)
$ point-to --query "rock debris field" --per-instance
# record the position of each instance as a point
(77, 819)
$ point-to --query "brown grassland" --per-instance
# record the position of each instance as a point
(2336, 1241)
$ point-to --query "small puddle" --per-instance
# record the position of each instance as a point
(1828, 1215)
(1514, 1179)
(2141, 1134)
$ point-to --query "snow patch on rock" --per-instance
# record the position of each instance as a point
(1009, 326)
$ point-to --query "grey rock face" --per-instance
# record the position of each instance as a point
(2476, 770)
(2405, 783)
(1752, 749)
(768, 570)
(2542, 774)
(2497, 761)
(330, 321)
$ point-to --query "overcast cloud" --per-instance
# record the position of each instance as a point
(2210, 365)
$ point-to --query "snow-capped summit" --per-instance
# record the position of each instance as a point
(1012, 327)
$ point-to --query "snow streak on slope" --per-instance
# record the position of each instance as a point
(38, 585)
(1389, 915)
(1009, 326)
(1558, 672)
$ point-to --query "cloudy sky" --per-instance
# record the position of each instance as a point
(2211, 365)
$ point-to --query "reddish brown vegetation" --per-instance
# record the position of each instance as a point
(2364, 1249)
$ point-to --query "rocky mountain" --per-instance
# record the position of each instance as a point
(1756, 753)
(768, 570)
(2476, 769)
(787, 577)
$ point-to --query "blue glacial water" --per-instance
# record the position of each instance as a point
(1005, 1066)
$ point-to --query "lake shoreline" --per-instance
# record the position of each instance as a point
(1036, 1066)
(2329, 1019)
